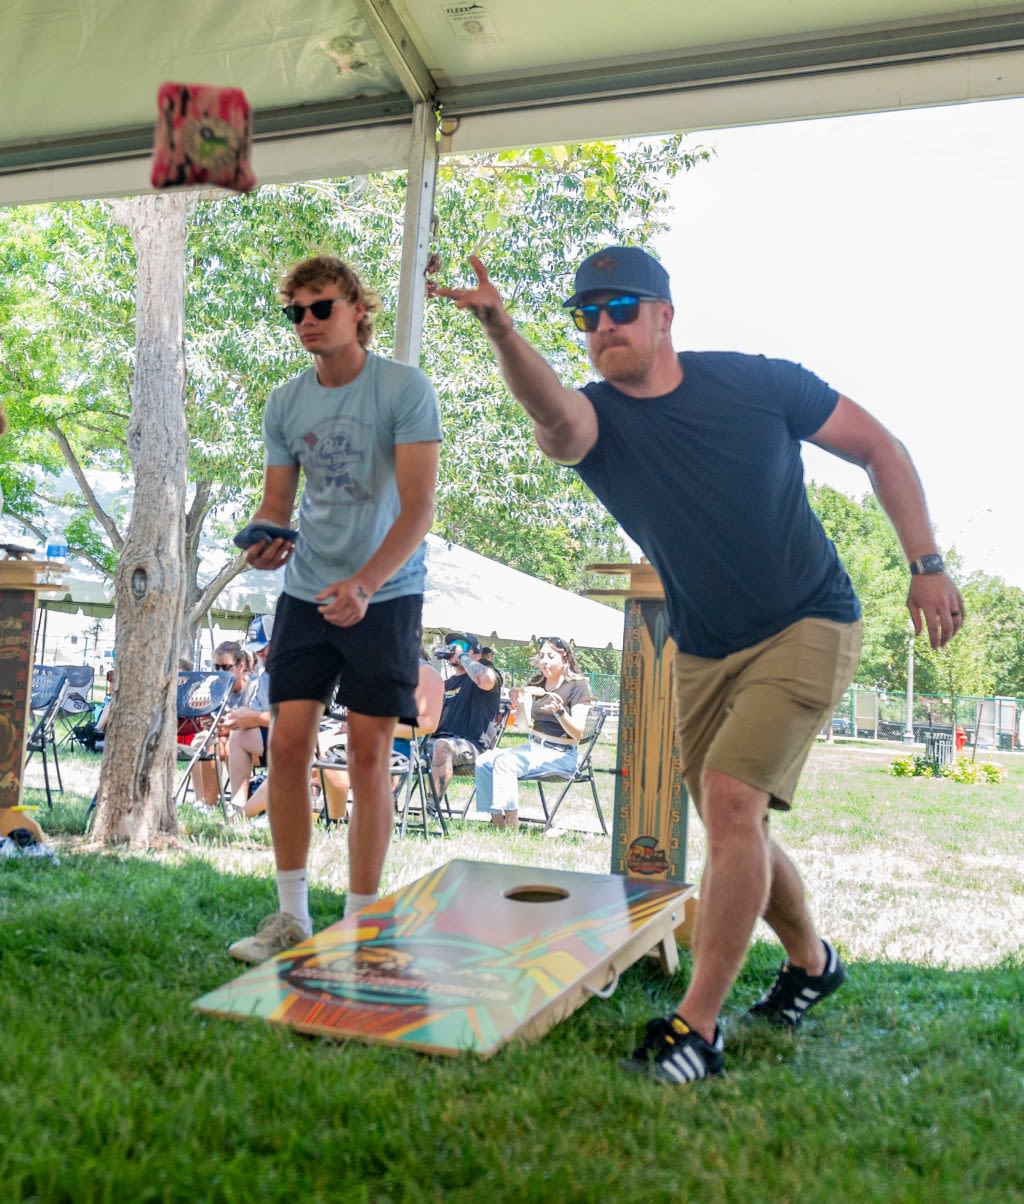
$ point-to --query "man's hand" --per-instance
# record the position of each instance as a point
(269, 553)
(483, 302)
(344, 603)
(935, 601)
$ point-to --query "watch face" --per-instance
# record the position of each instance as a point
(932, 563)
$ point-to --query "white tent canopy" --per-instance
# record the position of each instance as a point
(334, 84)
(468, 592)
(464, 592)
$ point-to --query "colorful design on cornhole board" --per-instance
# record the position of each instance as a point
(203, 136)
(464, 959)
(649, 829)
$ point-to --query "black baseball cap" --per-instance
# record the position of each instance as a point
(620, 270)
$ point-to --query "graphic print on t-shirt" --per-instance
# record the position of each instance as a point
(341, 461)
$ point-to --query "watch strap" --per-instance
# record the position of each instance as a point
(932, 563)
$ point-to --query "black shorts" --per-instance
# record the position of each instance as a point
(375, 664)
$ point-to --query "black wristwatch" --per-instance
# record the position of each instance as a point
(932, 563)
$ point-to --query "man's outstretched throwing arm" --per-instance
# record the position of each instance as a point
(564, 421)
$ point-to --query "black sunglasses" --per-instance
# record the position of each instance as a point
(553, 639)
(230, 665)
(622, 310)
(319, 309)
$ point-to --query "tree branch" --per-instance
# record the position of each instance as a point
(209, 595)
(93, 502)
(195, 516)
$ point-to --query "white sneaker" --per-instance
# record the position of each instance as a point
(276, 933)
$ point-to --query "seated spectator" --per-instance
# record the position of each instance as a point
(554, 706)
(247, 726)
(472, 695)
(227, 658)
(91, 734)
(429, 698)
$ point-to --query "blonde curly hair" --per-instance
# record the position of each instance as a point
(321, 270)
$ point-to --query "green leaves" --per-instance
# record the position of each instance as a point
(987, 656)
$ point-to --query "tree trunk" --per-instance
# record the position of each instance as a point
(136, 782)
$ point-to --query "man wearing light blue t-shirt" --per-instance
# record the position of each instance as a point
(697, 454)
(365, 432)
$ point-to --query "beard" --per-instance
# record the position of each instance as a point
(619, 363)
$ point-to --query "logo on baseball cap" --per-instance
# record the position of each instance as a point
(259, 633)
(620, 270)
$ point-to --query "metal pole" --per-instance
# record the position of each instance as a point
(908, 733)
(419, 217)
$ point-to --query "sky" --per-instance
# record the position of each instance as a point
(886, 254)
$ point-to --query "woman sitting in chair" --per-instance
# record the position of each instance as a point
(228, 657)
(554, 706)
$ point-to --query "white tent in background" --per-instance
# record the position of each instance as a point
(465, 592)
(468, 592)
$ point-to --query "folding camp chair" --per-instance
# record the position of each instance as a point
(49, 689)
(202, 697)
(415, 782)
(76, 710)
(492, 738)
(584, 773)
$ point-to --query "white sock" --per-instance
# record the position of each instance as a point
(355, 901)
(293, 896)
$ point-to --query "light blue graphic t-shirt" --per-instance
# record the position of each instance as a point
(344, 441)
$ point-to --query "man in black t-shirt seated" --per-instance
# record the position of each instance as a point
(471, 697)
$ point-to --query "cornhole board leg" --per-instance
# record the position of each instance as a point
(668, 954)
(467, 958)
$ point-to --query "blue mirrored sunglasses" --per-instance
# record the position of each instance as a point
(622, 310)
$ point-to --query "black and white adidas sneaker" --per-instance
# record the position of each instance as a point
(672, 1052)
(794, 992)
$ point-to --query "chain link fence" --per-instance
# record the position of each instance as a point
(967, 720)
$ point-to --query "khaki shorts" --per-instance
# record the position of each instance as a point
(755, 714)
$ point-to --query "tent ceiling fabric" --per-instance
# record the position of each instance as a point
(332, 82)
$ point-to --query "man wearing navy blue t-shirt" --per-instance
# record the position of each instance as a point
(472, 696)
(698, 456)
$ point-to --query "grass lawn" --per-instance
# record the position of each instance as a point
(909, 1086)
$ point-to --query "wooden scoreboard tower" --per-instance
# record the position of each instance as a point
(649, 829)
(20, 582)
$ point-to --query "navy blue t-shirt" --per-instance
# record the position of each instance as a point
(709, 481)
(468, 711)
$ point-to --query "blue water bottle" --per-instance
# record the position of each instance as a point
(57, 546)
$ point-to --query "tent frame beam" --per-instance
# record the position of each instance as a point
(717, 66)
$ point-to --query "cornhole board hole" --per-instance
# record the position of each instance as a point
(466, 958)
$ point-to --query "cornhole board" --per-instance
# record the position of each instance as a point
(466, 958)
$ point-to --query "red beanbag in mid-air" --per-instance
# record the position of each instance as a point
(203, 136)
